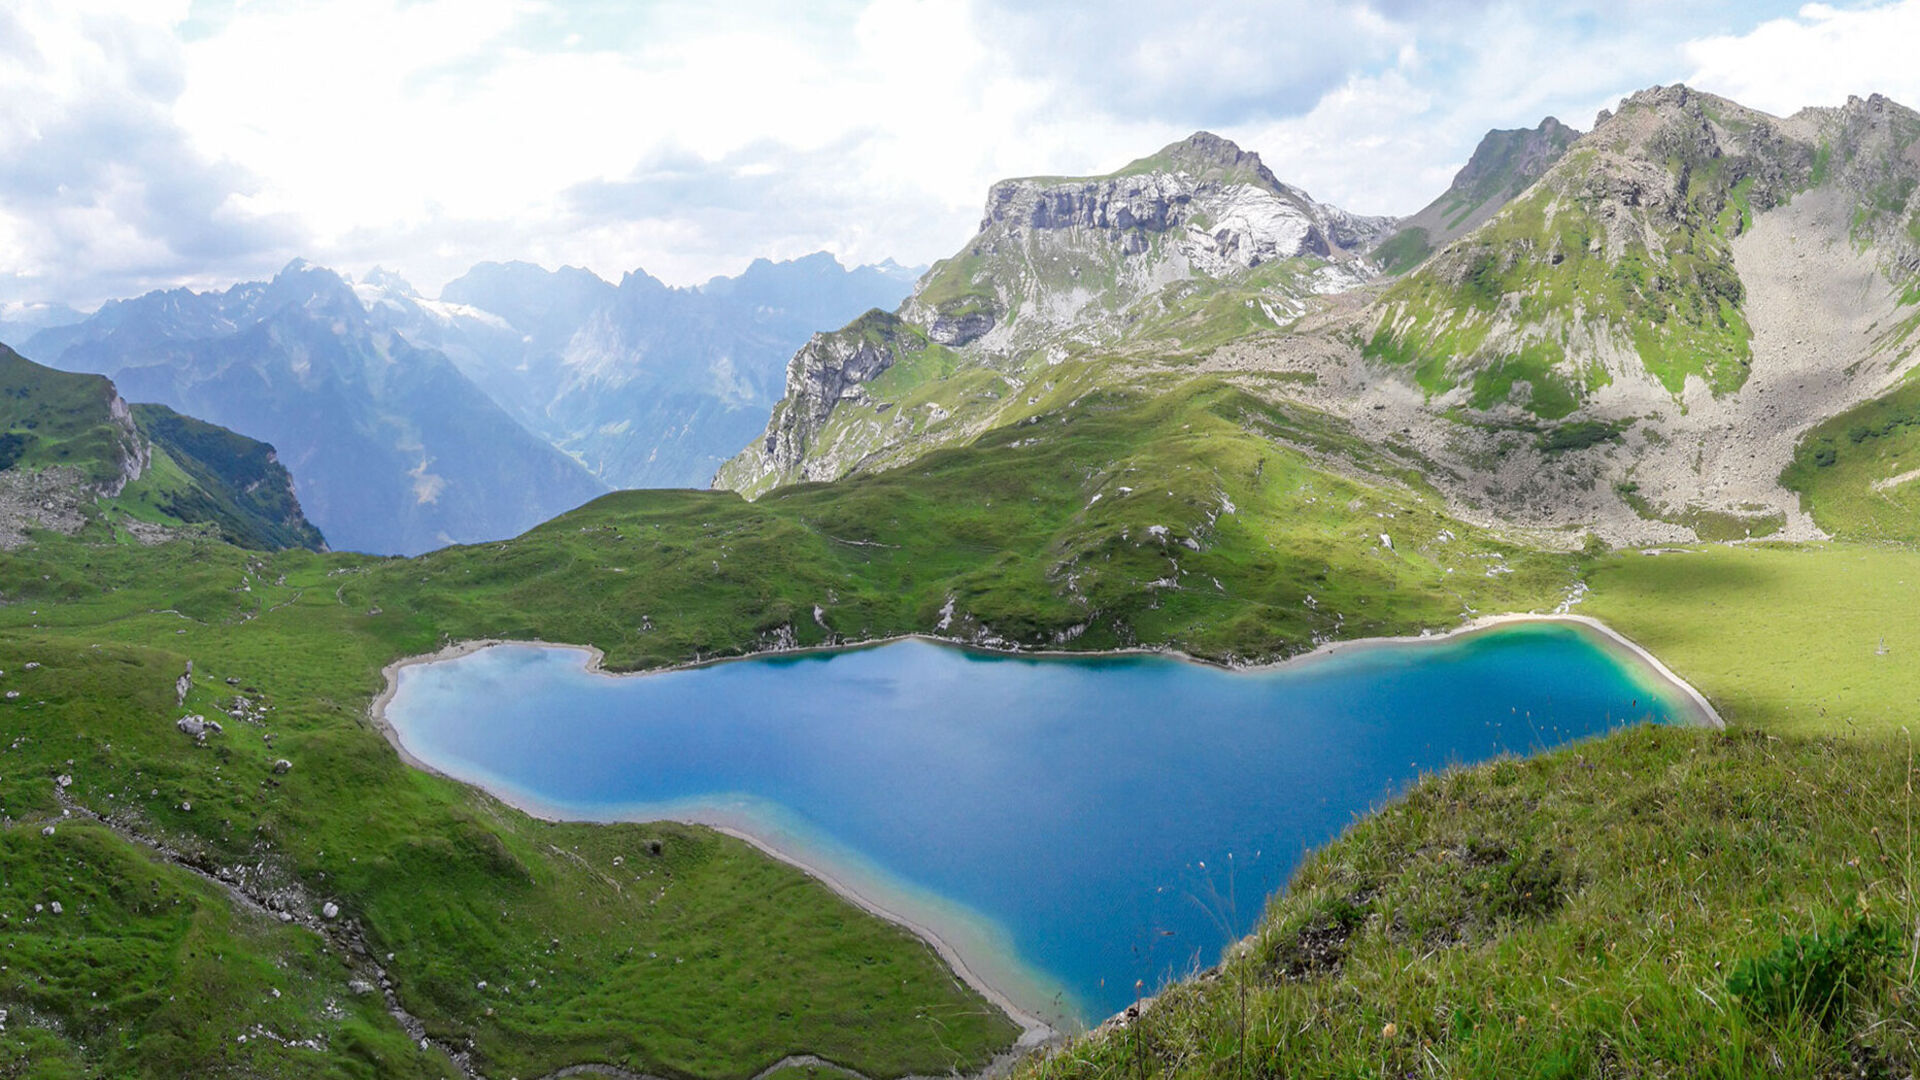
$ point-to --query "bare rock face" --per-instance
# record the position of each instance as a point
(1056, 260)
(831, 368)
(135, 452)
(53, 499)
(961, 329)
(1073, 254)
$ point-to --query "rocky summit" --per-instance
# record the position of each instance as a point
(1059, 266)
(1624, 333)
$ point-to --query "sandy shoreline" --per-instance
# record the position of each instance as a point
(1035, 1030)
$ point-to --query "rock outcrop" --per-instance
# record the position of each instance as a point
(1058, 263)
(832, 368)
(1505, 164)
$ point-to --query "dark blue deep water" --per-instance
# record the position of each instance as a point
(1104, 819)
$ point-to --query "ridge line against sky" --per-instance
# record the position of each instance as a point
(152, 143)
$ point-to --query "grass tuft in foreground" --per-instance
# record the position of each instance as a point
(1661, 902)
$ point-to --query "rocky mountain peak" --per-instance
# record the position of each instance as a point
(1504, 164)
(305, 285)
(388, 281)
(1070, 259)
(1515, 155)
(1207, 156)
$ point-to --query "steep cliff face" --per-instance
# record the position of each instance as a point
(1158, 250)
(831, 369)
(73, 452)
(135, 454)
(1505, 164)
(1076, 257)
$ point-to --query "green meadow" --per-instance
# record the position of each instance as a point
(1586, 913)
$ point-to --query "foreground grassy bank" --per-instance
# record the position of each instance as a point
(1202, 520)
(1657, 903)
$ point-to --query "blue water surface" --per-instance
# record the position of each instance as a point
(1114, 818)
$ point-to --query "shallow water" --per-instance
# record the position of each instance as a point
(1071, 825)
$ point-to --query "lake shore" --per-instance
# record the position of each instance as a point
(596, 657)
(1036, 1030)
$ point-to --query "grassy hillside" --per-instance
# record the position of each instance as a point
(145, 464)
(1202, 520)
(1199, 521)
(205, 473)
(1849, 472)
(50, 418)
(533, 946)
(1657, 903)
(1783, 638)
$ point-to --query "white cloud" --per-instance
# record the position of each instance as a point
(148, 144)
(1817, 57)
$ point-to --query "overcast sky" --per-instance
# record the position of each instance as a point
(151, 143)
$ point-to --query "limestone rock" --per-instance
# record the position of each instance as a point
(1056, 261)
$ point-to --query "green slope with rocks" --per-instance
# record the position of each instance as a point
(1505, 164)
(76, 457)
(1163, 408)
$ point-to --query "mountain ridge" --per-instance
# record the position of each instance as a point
(1503, 165)
(645, 384)
(74, 453)
(1060, 267)
(1573, 362)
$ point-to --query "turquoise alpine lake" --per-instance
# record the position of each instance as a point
(1076, 830)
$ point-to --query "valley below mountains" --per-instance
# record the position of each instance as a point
(409, 423)
(1658, 373)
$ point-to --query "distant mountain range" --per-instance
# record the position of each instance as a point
(410, 423)
(645, 385)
